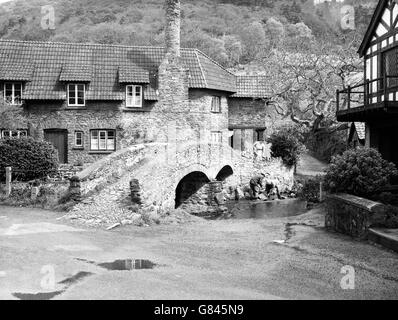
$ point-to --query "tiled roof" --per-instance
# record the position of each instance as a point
(100, 65)
(76, 72)
(252, 87)
(133, 74)
(360, 128)
(14, 71)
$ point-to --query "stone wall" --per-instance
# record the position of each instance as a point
(55, 115)
(353, 215)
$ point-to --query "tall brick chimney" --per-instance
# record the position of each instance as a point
(173, 77)
(173, 29)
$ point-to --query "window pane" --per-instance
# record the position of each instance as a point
(72, 94)
(17, 94)
(23, 133)
(8, 92)
(78, 139)
(102, 140)
(129, 91)
(129, 101)
(14, 133)
(138, 95)
(94, 140)
(111, 140)
(80, 94)
(80, 97)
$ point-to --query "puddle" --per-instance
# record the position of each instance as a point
(76, 278)
(124, 265)
(37, 296)
(129, 264)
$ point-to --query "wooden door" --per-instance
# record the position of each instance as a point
(59, 139)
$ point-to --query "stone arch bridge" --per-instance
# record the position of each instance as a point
(162, 176)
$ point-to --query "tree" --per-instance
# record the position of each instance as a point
(275, 30)
(304, 83)
(254, 40)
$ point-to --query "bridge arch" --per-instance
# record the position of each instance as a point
(191, 188)
(225, 173)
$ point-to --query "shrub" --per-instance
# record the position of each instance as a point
(362, 172)
(286, 145)
(29, 159)
(310, 190)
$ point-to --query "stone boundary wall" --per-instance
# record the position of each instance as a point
(353, 215)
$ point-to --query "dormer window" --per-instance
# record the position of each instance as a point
(134, 96)
(13, 93)
(76, 95)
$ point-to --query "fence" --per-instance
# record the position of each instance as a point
(10, 176)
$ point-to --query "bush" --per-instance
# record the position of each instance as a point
(361, 172)
(310, 190)
(286, 145)
(29, 159)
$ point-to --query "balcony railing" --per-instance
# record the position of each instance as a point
(370, 93)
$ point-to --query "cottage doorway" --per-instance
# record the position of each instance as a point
(59, 139)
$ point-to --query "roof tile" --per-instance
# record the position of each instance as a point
(100, 65)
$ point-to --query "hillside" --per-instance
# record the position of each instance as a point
(233, 32)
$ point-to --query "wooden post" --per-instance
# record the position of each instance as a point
(338, 100)
(349, 98)
(366, 98)
(8, 181)
(385, 87)
(321, 191)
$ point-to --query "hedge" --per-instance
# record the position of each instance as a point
(29, 159)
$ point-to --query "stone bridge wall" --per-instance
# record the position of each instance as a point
(353, 215)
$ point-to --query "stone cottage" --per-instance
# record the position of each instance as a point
(145, 114)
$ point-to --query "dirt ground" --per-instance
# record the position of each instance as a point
(271, 258)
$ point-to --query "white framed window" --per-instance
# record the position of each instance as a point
(79, 139)
(216, 137)
(13, 93)
(134, 96)
(216, 104)
(103, 140)
(14, 133)
(76, 95)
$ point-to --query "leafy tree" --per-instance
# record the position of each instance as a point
(286, 145)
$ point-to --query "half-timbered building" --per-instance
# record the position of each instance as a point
(375, 101)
